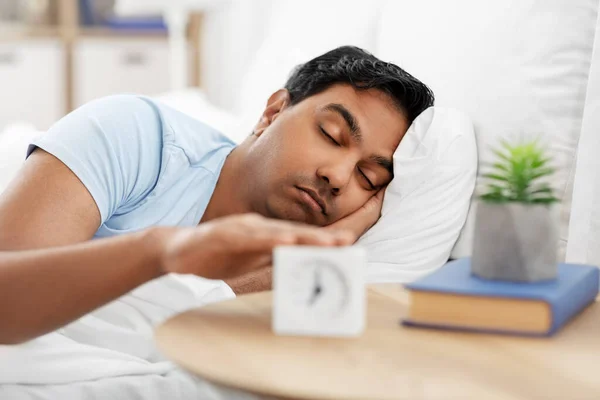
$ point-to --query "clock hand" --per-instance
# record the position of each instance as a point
(318, 288)
(316, 292)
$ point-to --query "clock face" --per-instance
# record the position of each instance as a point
(320, 286)
(318, 291)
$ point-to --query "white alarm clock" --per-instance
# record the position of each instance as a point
(319, 291)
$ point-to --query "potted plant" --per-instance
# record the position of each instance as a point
(516, 222)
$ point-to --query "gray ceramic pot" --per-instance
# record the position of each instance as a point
(515, 242)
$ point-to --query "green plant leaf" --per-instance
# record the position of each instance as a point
(542, 190)
(493, 198)
(545, 200)
(539, 162)
(501, 155)
(542, 172)
(514, 175)
(502, 167)
(496, 188)
(496, 177)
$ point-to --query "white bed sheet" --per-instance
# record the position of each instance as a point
(173, 385)
(110, 353)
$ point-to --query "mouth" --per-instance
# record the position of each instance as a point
(313, 200)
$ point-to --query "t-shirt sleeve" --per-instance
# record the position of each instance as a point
(113, 145)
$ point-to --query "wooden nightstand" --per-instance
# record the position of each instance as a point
(231, 343)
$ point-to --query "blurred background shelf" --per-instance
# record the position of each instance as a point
(87, 52)
(24, 32)
(108, 33)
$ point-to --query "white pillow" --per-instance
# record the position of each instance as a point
(584, 224)
(516, 67)
(426, 204)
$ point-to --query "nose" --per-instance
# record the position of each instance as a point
(337, 174)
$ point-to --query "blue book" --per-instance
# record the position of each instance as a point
(86, 12)
(137, 23)
(453, 298)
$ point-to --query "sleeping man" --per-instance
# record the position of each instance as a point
(173, 193)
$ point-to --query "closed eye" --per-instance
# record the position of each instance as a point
(371, 186)
(328, 136)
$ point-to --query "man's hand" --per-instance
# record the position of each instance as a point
(45, 289)
(229, 247)
(361, 220)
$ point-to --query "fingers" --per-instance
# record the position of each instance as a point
(343, 237)
(232, 245)
(266, 234)
(374, 204)
(377, 198)
(319, 237)
(297, 236)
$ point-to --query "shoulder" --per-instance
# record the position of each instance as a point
(117, 108)
(199, 141)
(131, 125)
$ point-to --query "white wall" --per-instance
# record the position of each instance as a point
(230, 36)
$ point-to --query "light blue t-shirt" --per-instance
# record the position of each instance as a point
(145, 164)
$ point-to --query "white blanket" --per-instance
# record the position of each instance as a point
(110, 353)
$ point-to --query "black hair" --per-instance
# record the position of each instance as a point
(359, 68)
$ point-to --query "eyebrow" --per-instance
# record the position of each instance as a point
(357, 136)
(384, 162)
(348, 117)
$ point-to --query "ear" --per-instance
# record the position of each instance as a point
(278, 102)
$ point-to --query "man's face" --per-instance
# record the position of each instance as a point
(323, 158)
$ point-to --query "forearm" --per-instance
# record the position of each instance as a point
(256, 281)
(43, 290)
